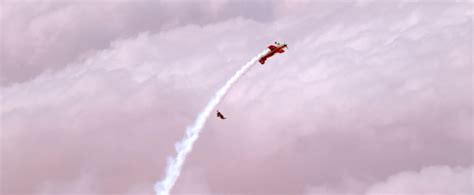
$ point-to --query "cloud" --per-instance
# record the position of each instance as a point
(364, 93)
(194, 181)
(429, 180)
(52, 34)
(111, 111)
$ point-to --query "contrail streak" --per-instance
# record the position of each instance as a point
(184, 147)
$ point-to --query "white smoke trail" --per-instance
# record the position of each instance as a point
(192, 133)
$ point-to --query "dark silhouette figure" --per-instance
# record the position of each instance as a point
(219, 114)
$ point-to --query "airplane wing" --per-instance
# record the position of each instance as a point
(272, 47)
(281, 51)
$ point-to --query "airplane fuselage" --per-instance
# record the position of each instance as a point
(277, 49)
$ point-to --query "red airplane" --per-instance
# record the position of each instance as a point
(277, 48)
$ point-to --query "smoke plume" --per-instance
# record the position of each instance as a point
(184, 147)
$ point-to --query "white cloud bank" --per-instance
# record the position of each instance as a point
(433, 180)
(364, 92)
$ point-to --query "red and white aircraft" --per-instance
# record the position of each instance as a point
(277, 48)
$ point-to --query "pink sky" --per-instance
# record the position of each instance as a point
(371, 98)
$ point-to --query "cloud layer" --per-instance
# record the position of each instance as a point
(370, 98)
(430, 180)
(54, 33)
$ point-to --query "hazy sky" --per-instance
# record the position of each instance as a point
(372, 97)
